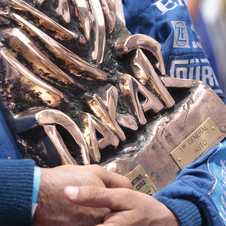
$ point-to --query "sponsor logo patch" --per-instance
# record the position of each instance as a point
(167, 5)
(180, 35)
(193, 67)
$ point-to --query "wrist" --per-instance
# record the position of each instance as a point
(166, 216)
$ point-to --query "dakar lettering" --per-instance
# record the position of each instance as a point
(106, 119)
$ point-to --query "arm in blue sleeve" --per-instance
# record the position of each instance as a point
(16, 188)
(8, 147)
(196, 184)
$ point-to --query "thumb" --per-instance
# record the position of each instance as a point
(98, 197)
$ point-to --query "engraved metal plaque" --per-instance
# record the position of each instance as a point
(196, 143)
(141, 181)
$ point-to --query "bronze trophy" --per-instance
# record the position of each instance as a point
(78, 88)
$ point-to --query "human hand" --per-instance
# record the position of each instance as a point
(54, 209)
(127, 207)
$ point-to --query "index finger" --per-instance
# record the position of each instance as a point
(98, 197)
(114, 180)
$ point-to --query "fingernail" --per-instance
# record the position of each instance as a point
(72, 192)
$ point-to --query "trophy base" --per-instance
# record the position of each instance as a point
(169, 131)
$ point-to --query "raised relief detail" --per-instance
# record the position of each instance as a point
(74, 64)
(99, 31)
(130, 88)
(109, 9)
(124, 45)
(145, 71)
(16, 71)
(20, 43)
(82, 12)
(43, 20)
(51, 117)
(106, 110)
(53, 134)
(63, 11)
(90, 125)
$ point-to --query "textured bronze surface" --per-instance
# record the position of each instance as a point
(90, 125)
(109, 9)
(130, 87)
(43, 20)
(51, 117)
(142, 62)
(146, 75)
(63, 11)
(66, 158)
(106, 110)
(80, 89)
(82, 12)
(99, 31)
(20, 43)
(74, 64)
(50, 95)
(125, 45)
